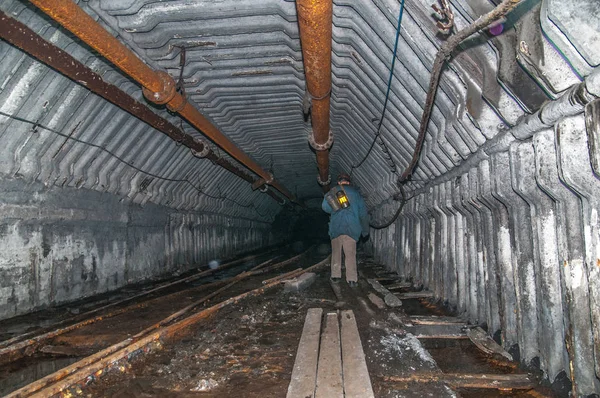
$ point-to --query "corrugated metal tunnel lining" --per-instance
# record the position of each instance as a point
(501, 216)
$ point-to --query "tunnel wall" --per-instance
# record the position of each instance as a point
(62, 244)
(514, 243)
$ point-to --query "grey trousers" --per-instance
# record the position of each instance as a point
(348, 245)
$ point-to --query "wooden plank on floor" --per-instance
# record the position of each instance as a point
(386, 278)
(357, 383)
(400, 285)
(485, 343)
(304, 374)
(329, 371)
(448, 331)
(470, 380)
(435, 320)
(414, 295)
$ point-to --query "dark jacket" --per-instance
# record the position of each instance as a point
(352, 221)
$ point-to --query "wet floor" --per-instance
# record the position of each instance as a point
(69, 347)
(248, 348)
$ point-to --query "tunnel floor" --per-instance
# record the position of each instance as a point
(248, 348)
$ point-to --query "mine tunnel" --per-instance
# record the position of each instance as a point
(309, 198)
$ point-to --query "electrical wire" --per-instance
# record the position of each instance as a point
(387, 96)
(114, 155)
(403, 201)
(442, 56)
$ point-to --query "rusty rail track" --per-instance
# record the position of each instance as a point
(153, 336)
(26, 344)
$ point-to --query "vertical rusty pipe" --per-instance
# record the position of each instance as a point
(19, 35)
(315, 22)
(158, 87)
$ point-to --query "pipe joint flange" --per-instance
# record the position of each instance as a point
(324, 183)
(269, 179)
(320, 147)
(166, 94)
(204, 152)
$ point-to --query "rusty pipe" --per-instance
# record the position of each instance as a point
(158, 87)
(315, 22)
(21, 36)
(444, 54)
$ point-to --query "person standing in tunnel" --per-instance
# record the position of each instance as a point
(348, 221)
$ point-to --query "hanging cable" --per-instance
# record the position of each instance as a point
(403, 201)
(444, 54)
(387, 96)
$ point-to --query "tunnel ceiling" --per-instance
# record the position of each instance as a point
(244, 71)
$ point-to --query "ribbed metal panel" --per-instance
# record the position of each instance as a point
(77, 139)
(512, 242)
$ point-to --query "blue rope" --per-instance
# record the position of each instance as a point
(389, 85)
(387, 95)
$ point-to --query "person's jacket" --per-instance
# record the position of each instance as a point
(352, 221)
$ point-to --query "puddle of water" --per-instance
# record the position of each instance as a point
(453, 356)
(421, 307)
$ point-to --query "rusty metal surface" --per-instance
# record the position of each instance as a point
(315, 24)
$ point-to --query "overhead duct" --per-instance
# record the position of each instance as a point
(158, 87)
(315, 21)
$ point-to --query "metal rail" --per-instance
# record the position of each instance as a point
(151, 338)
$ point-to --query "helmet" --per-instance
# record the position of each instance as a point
(343, 177)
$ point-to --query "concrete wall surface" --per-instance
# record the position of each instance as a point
(62, 244)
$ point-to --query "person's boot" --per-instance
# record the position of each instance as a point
(352, 283)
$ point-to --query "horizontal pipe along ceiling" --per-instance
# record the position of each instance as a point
(501, 212)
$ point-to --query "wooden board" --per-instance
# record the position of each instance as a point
(435, 320)
(470, 380)
(485, 343)
(357, 383)
(414, 295)
(304, 374)
(400, 285)
(329, 370)
(448, 331)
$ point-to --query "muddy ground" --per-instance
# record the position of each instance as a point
(248, 349)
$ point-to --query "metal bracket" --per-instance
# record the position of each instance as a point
(444, 13)
(204, 152)
(260, 182)
(320, 147)
(324, 183)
